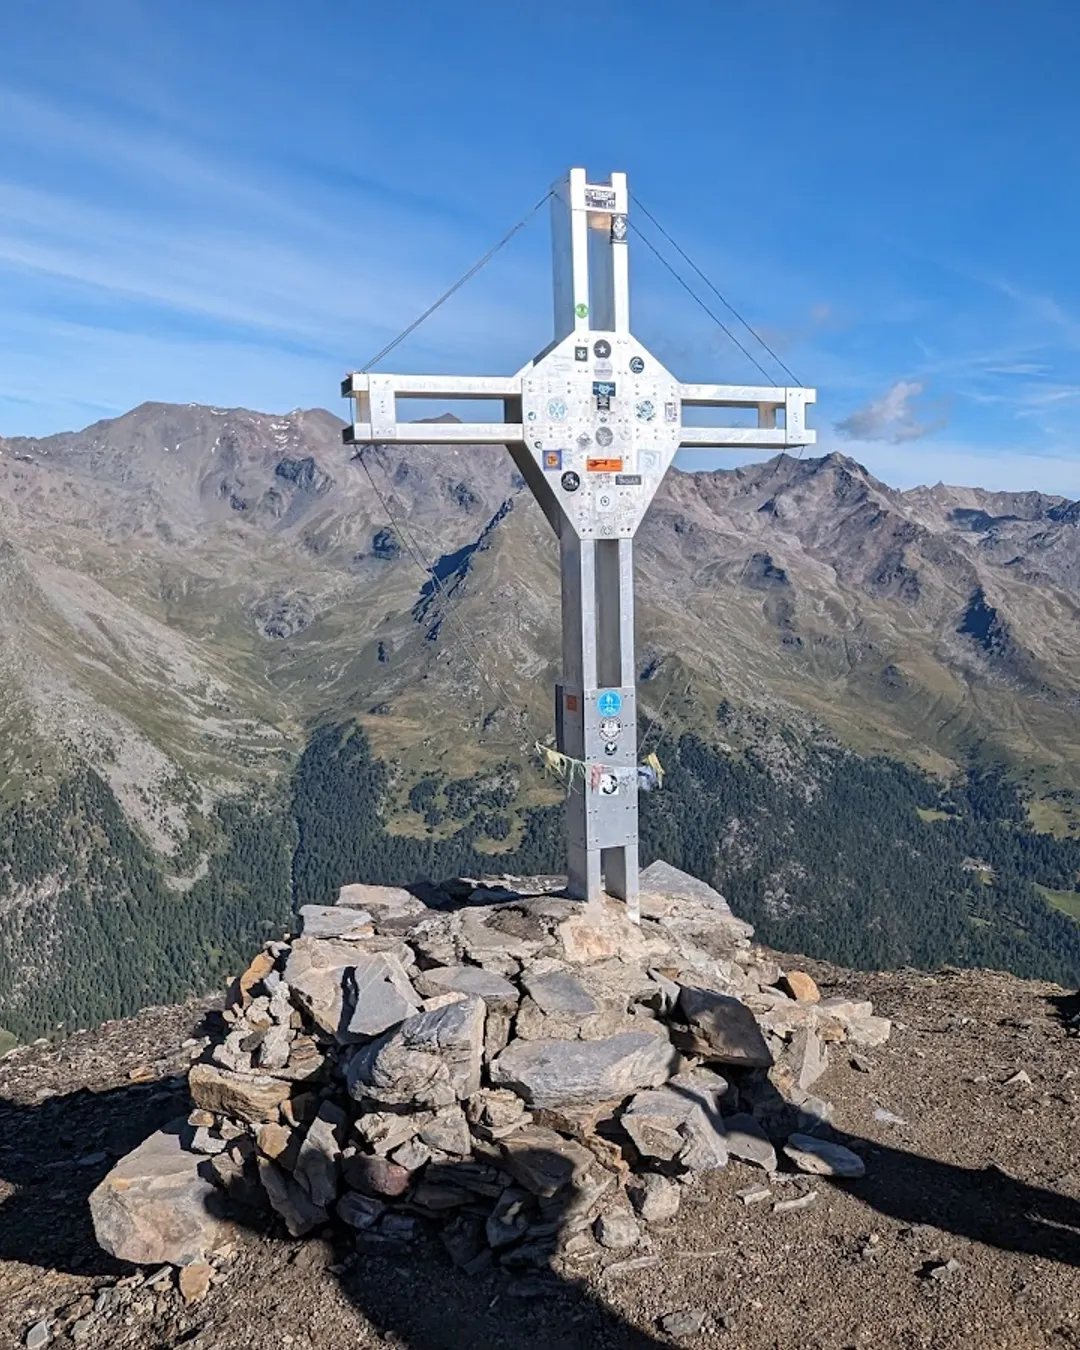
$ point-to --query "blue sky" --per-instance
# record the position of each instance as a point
(233, 203)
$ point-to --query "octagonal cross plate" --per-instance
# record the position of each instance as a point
(601, 418)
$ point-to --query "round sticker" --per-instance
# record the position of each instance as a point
(602, 349)
(582, 311)
(604, 436)
(604, 501)
(611, 748)
(637, 365)
(609, 703)
(584, 440)
(570, 481)
(610, 728)
(609, 785)
(645, 410)
(556, 409)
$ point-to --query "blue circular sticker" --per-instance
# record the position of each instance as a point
(609, 703)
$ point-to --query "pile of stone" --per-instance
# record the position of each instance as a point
(523, 1072)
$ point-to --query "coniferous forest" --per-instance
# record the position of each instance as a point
(863, 861)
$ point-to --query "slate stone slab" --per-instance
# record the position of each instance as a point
(822, 1157)
(747, 1141)
(155, 1206)
(563, 1073)
(329, 921)
(560, 992)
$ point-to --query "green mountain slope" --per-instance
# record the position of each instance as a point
(196, 604)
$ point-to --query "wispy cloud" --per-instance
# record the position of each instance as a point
(891, 417)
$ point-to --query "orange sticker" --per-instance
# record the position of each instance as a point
(571, 703)
(604, 465)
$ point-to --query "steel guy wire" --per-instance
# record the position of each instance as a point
(723, 299)
(698, 300)
(468, 276)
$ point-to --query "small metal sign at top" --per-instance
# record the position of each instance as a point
(600, 199)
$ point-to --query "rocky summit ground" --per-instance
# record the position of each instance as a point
(965, 1230)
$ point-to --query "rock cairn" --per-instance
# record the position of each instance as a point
(525, 1073)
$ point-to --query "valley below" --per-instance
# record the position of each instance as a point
(239, 672)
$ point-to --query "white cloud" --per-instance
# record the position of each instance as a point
(892, 417)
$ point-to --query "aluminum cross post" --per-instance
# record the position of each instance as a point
(593, 424)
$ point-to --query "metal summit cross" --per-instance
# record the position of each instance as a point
(593, 424)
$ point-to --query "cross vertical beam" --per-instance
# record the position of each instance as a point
(593, 424)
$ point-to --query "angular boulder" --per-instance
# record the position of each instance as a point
(386, 902)
(156, 1206)
(243, 1096)
(674, 1125)
(351, 994)
(746, 1140)
(290, 1200)
(724, 1028)
(316, 1166)
(564, 1073)
(543, 1161)
(869, 1032)
(432, 1059)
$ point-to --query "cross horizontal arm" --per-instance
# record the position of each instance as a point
(734, 438)
(743, 395)
(435, 433)
(767, 400)
(359, 384)
(375, 401)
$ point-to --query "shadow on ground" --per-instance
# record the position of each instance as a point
(55, 1152)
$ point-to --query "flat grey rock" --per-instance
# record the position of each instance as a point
(289, 1199)
(823, 1158)
(386, 902)
(567, 1073)
(155, 1206)
(377, 995)
(350, 993)
(491, 987)
(675, 1125)
(317, 1162)
(559, 991)
(543, 1161)
(328, 921)
(747, 1141)
(660, 878)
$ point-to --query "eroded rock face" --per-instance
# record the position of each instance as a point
(156, 1206)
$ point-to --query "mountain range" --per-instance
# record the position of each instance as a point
(189, 594)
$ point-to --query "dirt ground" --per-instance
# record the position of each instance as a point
(980, 1173)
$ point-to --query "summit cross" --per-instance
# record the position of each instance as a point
(593, 424)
